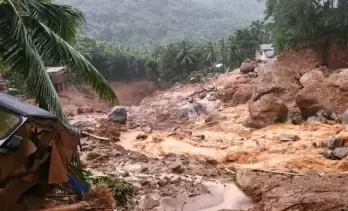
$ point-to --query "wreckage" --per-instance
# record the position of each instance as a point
(36, 154)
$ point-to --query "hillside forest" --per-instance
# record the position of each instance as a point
(147, 23)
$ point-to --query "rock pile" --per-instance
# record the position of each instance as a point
(305, 92)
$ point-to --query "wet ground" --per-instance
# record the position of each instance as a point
(192, 165)
(187, 171)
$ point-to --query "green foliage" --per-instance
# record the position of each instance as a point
(114, 62)
(152, 71)
(173, 62)
(304, 22)
(149, 23)
(124, 193)
(32, 32)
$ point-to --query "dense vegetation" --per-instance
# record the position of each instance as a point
(305, 22)
(149, 23)
(173, 62)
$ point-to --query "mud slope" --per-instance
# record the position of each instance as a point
(188, 148)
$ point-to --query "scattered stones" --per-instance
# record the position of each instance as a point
(334, 142)
(284, 137)
(118, 114)
(141, 136)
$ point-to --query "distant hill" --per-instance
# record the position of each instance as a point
(149, 22)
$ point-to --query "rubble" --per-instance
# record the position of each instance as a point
(287, 126)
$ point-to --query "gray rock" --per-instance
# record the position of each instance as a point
(118, 114)
(147, 129)
(199, 109)
(336, 154)
(125, 174)
(317, 119)
(162, 182)
(144, 169)
(116, 152)
(202, 95)
(334, 142)
(327, 114)
(345, 117)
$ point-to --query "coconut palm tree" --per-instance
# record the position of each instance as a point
(210, 54)
(35, 31)
(186, 56)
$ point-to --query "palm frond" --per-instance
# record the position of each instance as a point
(54, 48)
(61, 19)
(21, 57)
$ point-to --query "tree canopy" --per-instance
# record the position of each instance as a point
(304, 22)
(173, 62)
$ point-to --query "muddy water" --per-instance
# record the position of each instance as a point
(220, 196)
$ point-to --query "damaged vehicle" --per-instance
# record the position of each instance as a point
(37, 154)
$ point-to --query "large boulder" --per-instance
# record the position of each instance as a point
(118, 114)
(248, 66)
(312, 77)
(279, 83)
(267, 110)
(331, 94)
(236, 95)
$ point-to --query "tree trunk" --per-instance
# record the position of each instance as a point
(325, 53)
(3, 86)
